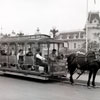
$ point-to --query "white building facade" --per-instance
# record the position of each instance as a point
(93, 30)
(73, 40)
(76, 40)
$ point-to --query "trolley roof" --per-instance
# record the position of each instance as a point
(49, 40)
(27, 40)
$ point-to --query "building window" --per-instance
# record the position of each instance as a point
(96, 34)
(64, 36)
(71, 36)
(81, 35)
(74, 45)
(66, 44)
(77, 35)
(95, 21)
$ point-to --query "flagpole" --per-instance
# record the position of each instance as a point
(94, 4)
(87, 27)
(94, 1)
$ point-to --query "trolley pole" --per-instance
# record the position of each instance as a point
(54, 31)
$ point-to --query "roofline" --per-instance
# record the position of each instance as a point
(42, 40)
(72, 31)
(29, 35)
(94, 12)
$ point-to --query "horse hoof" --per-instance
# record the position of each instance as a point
(94, 87)
(72, 83)
(88, 87)
(93, 84)
(88, 84)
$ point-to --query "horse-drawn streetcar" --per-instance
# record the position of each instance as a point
(10, 64)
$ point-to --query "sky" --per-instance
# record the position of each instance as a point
(26, 15)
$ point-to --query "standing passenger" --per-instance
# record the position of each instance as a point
(53, 56)
(13, 51)
(20, 58)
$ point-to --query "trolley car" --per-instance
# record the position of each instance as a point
(9, 63)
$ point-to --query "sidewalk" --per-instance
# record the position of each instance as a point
(84, 77)
(82, 80)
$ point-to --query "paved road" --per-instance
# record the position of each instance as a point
(27, 89)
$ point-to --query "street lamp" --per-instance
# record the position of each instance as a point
(54, 31)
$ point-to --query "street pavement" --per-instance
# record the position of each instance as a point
(19, 88)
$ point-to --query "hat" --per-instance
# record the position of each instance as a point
(29, 48)
(54, 50)
(20, 50)
(38, 49)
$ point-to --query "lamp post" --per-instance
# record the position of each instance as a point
(54, 31)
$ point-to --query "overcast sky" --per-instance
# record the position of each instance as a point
(27, 15)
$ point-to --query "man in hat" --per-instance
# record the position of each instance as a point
(29, 53)
(53, 56)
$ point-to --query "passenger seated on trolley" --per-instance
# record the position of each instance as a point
(20, 58)
(61, 56)
(53, 56)
(29, 53)
(12, 51)
(3, 52)
(39, 60)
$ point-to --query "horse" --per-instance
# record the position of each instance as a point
(81, 62)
